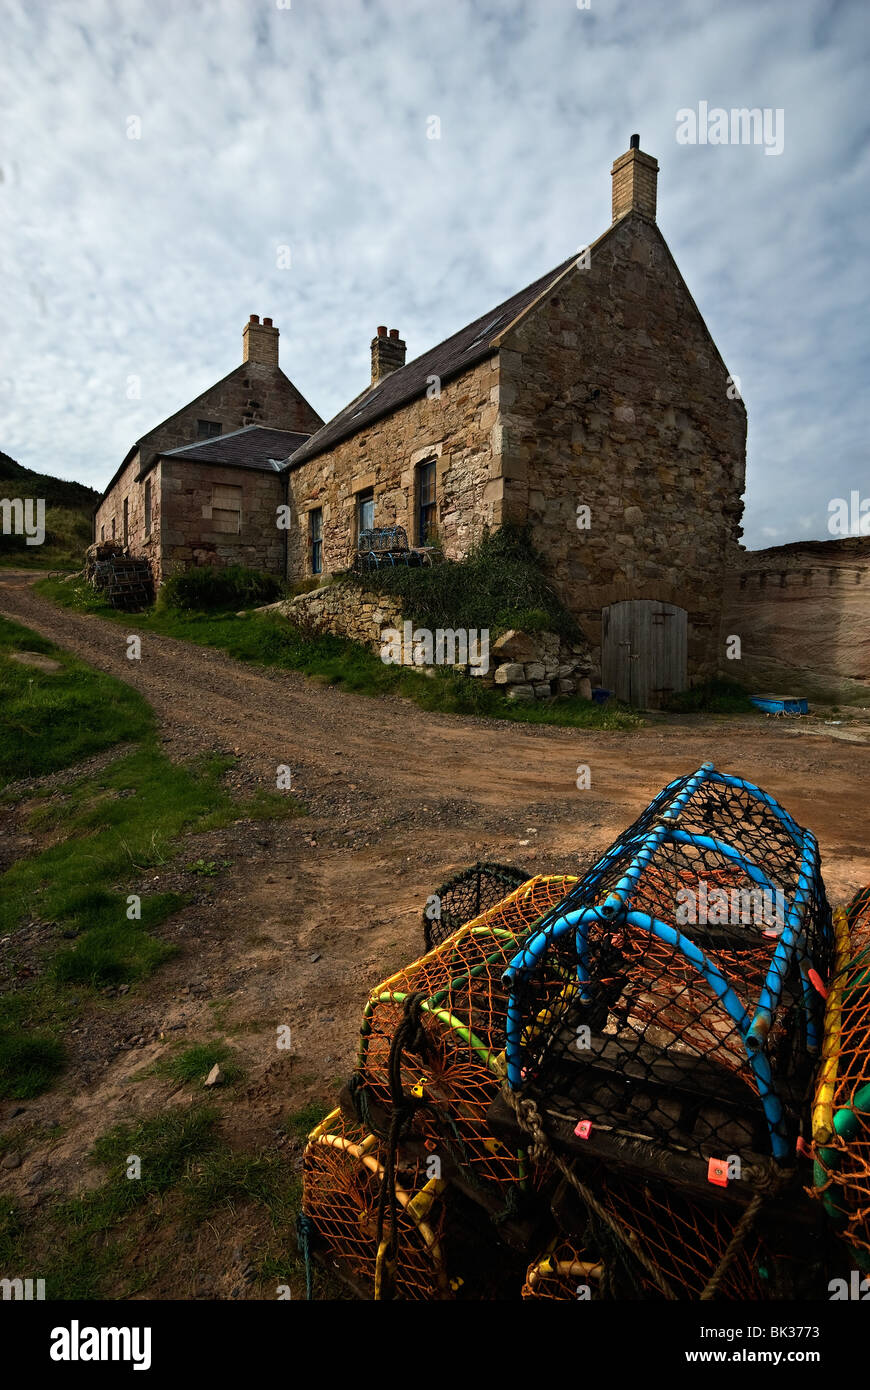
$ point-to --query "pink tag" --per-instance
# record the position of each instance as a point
(815, 980)
(802, 1147)
(717, 1172)
(583, 1129)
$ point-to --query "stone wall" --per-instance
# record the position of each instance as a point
(189, 536)
(253, 394)
(112, 509)
(802, 613)
(522, 666)
(457, 430)
(612, 395)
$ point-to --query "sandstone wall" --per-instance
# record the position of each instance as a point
(613, 395)
(802, 613)
(457, 430)
(112, 509)
(189, 536)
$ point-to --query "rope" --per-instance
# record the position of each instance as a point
(304, 1233)
(410, 1034)
(530, 1120)
(767, 1180)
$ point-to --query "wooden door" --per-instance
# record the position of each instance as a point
(643, 651)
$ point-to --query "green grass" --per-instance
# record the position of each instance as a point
(194, 1063)
(270, 640)
(67, 536)
(28, 1064)
(301, 1122)
(47, 717)
(228, 1179)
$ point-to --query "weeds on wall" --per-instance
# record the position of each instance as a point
(501, 583)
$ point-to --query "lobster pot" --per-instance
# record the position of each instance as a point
(679, 1242)
(841, 1112)
(342, 1175)
(466, 896)
(676, 994)
(451, 1064)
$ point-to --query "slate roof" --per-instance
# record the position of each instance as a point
(451, 357)
(253, 446)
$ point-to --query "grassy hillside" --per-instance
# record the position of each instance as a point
(68, 508)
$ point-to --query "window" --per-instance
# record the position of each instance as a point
(365, 511)
(315, 539)
(147, 506)
(226, 508)
(126, 520)
(113, 528)
(426, 505)
(102, 533)
(207, 429)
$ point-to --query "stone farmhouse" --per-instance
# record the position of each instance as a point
(203, 487)
(592, 405)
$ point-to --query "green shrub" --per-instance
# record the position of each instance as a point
(207, 587)
(501, 583)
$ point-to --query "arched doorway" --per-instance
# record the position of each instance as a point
(643, 651)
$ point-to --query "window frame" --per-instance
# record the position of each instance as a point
(363, 498)
(208, 429)
(315, 540)
(146, 505)
(426, 470)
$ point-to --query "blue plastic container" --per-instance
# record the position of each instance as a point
(780, 704)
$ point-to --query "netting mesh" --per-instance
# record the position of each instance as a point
(465, 896)
(841, 1113)
(683, 1238)
(453, 1068)
(671, 995)
(342, 1175)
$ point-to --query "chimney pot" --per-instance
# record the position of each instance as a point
(394, 333)
(634, 142)
(382, 331)
(267, 323)
(255, 318)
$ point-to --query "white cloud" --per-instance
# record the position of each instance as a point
(307, 127)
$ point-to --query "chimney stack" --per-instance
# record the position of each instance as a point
(634, 177)
(388, 354)
(260, 342)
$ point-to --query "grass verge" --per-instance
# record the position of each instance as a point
(82, 912)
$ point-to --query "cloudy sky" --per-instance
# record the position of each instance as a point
(305, 124)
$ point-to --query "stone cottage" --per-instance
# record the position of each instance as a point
(203, 487)
(592, 405)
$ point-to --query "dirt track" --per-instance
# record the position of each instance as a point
(316, 911)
